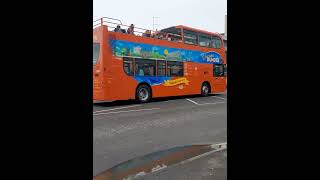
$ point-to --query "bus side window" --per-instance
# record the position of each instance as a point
(205, 40)
(128, 66)
(145, 67)
(174, 33)
(175, 68)
(216, 42)
(190, 37)
(161, 68)
(218, 70)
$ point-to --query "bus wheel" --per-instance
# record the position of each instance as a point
(205, 89)
(143, 93)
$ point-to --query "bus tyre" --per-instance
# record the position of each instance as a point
(143, 94)
(205, 89)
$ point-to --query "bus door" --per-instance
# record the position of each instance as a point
(218, 77)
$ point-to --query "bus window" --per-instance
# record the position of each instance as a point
(225, 70)
(190, 37)
(96, 52)
(128, 66)
(218, 70)
(145, 67)
(174, 33)
(175, 68)
(216, 42)
(161, 68)
(204, 40)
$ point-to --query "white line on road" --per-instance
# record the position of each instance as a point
(211, 103)
(215, 147)
(117, 108)
(126, 111)
(219, 97)
(204, 103)
(192, 101)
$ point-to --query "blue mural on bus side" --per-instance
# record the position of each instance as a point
(126, 48)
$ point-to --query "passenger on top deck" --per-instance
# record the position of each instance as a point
(164, 36)
(131, 29)
(156, 35)
(147, 33)
(117, 29)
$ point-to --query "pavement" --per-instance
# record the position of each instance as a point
(123, 130)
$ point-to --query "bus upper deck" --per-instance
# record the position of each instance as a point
(180, 34)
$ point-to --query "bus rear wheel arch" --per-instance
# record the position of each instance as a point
(205, 88)
(143, 93)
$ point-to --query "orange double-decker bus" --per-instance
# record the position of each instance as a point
(175, 61)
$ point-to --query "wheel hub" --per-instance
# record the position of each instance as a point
(143, 94)
(205, 89)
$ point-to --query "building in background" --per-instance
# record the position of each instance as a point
(225, 25)
(224, 35)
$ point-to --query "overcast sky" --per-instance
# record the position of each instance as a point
(202, 14)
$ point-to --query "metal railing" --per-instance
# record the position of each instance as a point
(137, 30)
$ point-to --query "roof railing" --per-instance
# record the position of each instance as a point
(104, 20)
(111, 25)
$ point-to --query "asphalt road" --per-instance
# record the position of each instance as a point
(123, 130)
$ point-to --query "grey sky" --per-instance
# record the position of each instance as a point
(202, 14)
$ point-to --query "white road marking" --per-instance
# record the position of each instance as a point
(117, 108)
(219, 97)
(216, 147)
(158, 168)
(192, 101)
(171, 100)
(211, 103)
(204, 103)
(219, 146)
(116, 112)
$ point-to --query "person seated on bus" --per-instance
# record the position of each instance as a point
(151, 72)
(148, 33)
(131, 29)
(173, 38)
(170, 36)
(166, 36)
(162, 36)
(156, 35)
(139, 70)
(117, 29)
